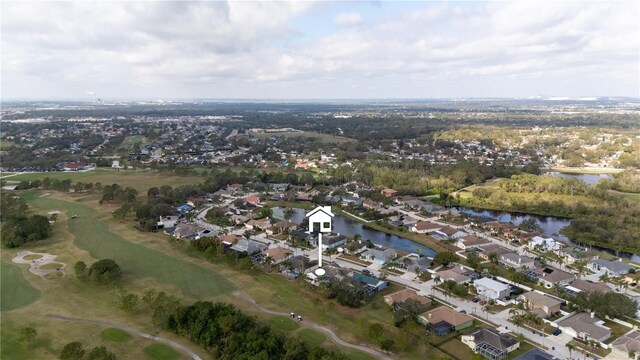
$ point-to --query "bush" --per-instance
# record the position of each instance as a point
(72, 351)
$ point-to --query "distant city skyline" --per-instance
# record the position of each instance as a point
(319, 50)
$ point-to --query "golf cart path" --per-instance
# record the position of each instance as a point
(322, 329)
(185, 350)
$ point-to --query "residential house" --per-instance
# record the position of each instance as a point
(350, 200)
(378, 256)
(370, 204)
(536, 354)
(280, 187)
(372, 285)
(544, 244)
(580, 285)
(627, 344)
(234, 187)
(517, 261)
(485, 251)
(457, 273)
(332, 271)
(282, 226)
(253, 200)
(167, 222)
(230, 239)
(505, 228)
(277, 254)
(329, 241)
(414, 263)
(248, 247)
(404, 295)
(543, 305)
(258, 224)
(470, 242)
(184, 208)
(355, 247)
(571, 254)
(550, 276)
(585, 326)
(389, 193)
(492, 289)
(490, 344)
(302, 264)
(444, 320)
(610, 267)
(447, 232)
(423, 227)
(187, 231)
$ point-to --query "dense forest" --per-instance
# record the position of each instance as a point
(18, 227)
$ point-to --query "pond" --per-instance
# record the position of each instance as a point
(348, 227)
(550, 225)
(590, 179)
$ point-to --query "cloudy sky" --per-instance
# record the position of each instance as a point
(314, 50)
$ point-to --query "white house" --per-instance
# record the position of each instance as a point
(321, 216)
(611, 267)
(546, 244)
(492, 289)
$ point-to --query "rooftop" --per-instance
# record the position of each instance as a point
(445, 313)
(586, 323)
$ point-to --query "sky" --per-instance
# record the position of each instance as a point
(318, 50)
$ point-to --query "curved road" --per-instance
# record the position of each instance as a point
(322, 329)
(185, 350)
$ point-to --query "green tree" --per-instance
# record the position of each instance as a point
(81, 270)
(101, 353)
(72, 351)
(129, 302)
(28, 334)
(445, 258)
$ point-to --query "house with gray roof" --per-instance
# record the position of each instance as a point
(490, 344)
(585, 326)
(378, 256)
(248, 247)
(516, 261)
(611, 267)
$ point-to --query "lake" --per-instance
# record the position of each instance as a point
(590, 179)
(550, 225)
(348, 227)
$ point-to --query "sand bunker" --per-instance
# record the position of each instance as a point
(38, 267)
(54, 212)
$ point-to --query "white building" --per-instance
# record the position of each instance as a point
(546, 244)
(492, 289)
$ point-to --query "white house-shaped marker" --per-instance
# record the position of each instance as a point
(320, 216)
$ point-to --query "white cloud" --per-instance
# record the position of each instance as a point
(348, 19)
(260, 49)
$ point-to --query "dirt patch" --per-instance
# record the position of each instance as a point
(43, 266)
(45, 194)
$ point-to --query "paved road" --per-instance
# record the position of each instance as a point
(183, 349)
(314, 326)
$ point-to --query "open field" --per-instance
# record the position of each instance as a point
(311, 337)
(116, 335)
(15, 291)
(140, 180)
(327, 138)
(456, 348)
(136, 260)
(283, 323)
(626, 195)
(161, 352)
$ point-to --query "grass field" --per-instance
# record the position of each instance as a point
(160, 351)
(456, 348)
(51, 266)
(283, 323)
(311, 337)
(93, 235)
(116, 335)
(32, 257)
(140, 180)
(15, 291)
(628, 196)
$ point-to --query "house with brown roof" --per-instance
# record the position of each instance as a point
(470, 242)
(484, 251)
(253, 200)
(456, 273)
(282, 226)
(230, 239)
(259, 224)
(389, 193)
(580, 285)
(423, 227)
(550, 276)
(443, 320)
(490, 344)
(277, 254)
(404, 295)
(585, 326)
(544, 306)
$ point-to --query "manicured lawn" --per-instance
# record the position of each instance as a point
(524, 348)
(51, 266)
(456, 348)
(53, 275)
(94, 235)
(15, 291)
(617, 330)
(311, 337)
(116, 335)
(283, 323)
(161, 351)
(358, 355)
(32, 257)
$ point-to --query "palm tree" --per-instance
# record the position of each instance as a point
(269, 261)
(581, 267)
(604, 277)
(570, 347)
(493, 257)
